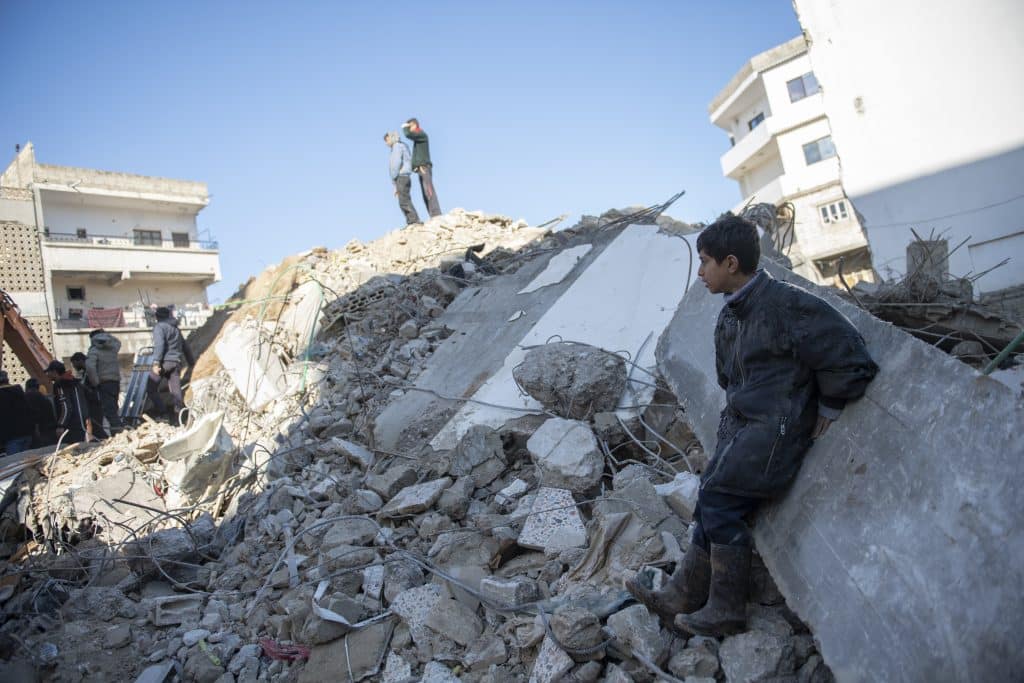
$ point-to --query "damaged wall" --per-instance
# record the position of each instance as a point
(900, 543)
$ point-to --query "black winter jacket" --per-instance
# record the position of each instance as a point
(169, 346)
(779, 351)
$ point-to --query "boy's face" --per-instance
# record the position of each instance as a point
(718, 277)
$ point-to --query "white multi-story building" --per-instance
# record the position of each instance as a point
(927, 122)
(782, 151)
(85, 249)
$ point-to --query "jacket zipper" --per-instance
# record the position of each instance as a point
(775, 444)
(738, 353)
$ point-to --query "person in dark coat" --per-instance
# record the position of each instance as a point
(15, 417)
(422, 165)
(170, 353)
(788, 362)
(72, 409)
(43, 418)
(103, 373)
(92, 395)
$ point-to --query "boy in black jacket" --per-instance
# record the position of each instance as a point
(788, 362)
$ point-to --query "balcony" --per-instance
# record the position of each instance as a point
(125, 257)
(190, 316)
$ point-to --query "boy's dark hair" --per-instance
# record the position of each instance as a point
(31, 384)
(732, 235)
(414, 121)
(78, 355)
(163, 313)
(98, 330)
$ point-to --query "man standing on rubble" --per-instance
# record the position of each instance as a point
(400, 167)
(92, 395)
(422, 165)
(16, 426)
(72, 409)
(170, 353)
(788, 362)
(103, 373)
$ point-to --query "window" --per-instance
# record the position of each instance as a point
(76, 293)
(81, 234)
(75, 314)
(180, 239)
(802, 87)
(819, 150)
(834, 212)
(148, 238)
(756, 121)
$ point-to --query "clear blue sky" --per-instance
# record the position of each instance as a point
(534, 109)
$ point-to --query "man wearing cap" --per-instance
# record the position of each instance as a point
(170, 353)
(43, 418)
(422, 165)
(72, 409)
(103, 372)
(400, 167)
(15, 419)
(92, 396)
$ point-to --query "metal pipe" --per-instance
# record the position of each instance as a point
(1003, 354)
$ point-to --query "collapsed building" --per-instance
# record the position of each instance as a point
(438, 455)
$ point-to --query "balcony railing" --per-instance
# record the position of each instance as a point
(140, 317)
(128, 241)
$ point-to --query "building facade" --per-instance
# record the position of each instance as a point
(83, 249)
(926, 120)
(782, 152)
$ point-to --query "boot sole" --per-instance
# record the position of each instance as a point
(729, 628)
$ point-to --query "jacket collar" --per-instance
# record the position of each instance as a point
(742, 301)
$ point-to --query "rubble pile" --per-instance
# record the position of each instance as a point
(269, 539)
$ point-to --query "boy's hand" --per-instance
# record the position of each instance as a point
(821, 427)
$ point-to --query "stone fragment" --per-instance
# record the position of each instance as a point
(348, 557)
(554, 523)
(637, 630)
(201, 669)
(158, 673)
(756, 655)
(578, 629)
(408, 330)
(552, 663)
(413, 606)
(436, 672)
(356, 454)
(373, 581)
(162, 550)
(175, 609)
(415, 499)
(454, 502)
(393, 480)
(769, 620)
(479, 454)
(352, 531)
(681, 494)
(117, 636)
(615, 674)
(586, 673)
(693, 662)
(510, 592)
(190, 638)
(330, 661)
(814, 670)
(242, 657)
(487, 650)
(506, 498)
(572, 380)
(567, 455)
(396, 669)
(454, 620)
(366, 501)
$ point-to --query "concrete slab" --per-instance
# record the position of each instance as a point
(633, 283)
(554, 522)
(901, 542)
(256, 371)
(558, 267)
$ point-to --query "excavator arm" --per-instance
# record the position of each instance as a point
(28, 348)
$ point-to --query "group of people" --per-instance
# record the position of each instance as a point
(402, 164)
(84, 402)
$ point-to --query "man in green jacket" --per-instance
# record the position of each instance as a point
(421, 164)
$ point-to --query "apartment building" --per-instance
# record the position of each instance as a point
(781, 151)
(82, 248)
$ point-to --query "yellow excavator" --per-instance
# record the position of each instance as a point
(22, 339)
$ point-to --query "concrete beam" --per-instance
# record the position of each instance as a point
(901, 543)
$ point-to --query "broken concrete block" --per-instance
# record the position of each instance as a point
(373, 581)
(756, 655)
(175, 609)
(436, 672)
(554, 522)
(117, 636)
(506, 498)
(615, 674)
(162, 549)
(190, 638)
(486, 650)
(367, 501)
(637, 630)
(552, 663)
(356, 454)
(393, 480)
(572, 380)
(412, 606)
(454, 620)
(415, 499)
(348, 556)
(396, 670)
(693, 662)
(510, 592)
(157, 673)
(681, 494)
(408, 330)
(577, 628)
(455, 500)
(352, 531)
(479, 455)
(330, 661)
(567, 455)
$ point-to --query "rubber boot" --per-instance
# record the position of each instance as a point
(685, 592)
(726, 610)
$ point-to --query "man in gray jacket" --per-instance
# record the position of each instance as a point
(170, 353)
(103, 372)
(400, 167)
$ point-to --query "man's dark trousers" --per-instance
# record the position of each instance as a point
(719, 519)
(403, 185)
(172, 371)
(427, 186)
(108, 398)
(95, 407)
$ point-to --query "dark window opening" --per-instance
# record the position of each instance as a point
(756, 121)
(147, 238)
(81, 234)
(76, 293)
(181, 239)
(819, 150)
(75, 314)
(802, 87)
